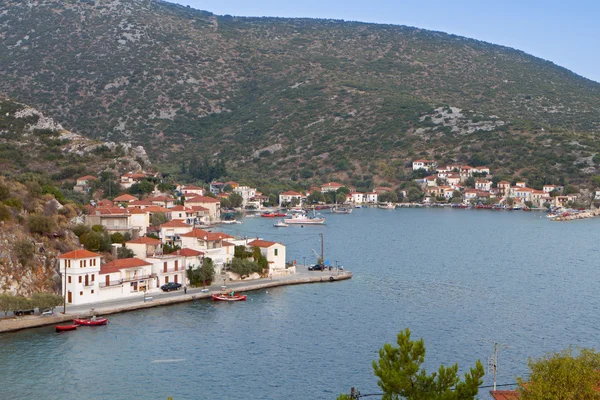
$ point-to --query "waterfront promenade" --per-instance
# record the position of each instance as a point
(302, 276)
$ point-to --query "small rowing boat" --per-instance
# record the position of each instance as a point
(228, 297)
(63, 328)
(90, 322)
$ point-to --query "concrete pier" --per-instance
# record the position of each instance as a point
(164, 299)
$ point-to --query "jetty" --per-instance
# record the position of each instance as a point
(303, 276)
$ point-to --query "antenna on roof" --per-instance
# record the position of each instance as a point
(493, 360)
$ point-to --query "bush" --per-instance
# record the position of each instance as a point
(41, 224)
(4, 213)
(80, 229)
(124, 252)
(117, 238)
(24, 250)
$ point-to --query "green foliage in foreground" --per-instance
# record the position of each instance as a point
(203, 275)
(563, 375)
(402, 377)
(42, 301)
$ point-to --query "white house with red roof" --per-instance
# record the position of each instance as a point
(210, 203)
(275, 254)
(172, 267)
(287, 197)
(190, 191)
(145, 247)
(423, 164)
(127, 180)
(125, 198)
(171, 232)
(357, 197)
(80, 271)
(162, 201)
(371, 197)
(125, 277)
(330, 187)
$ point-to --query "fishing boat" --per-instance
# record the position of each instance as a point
(228, 297)
(280, 214)
(341, 210)
(267, 215)
(303, 219)
(63, 328)
(387, 206)
(90, 322)
(280, 224)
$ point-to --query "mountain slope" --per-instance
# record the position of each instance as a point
(290, 96)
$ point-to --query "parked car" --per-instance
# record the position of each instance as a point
(19, 313)
(316, 267)
(167, 287)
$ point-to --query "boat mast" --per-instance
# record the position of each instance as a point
(322, 249)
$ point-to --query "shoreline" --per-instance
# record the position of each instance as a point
(17, 324)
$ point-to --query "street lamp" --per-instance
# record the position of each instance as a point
(304, 261)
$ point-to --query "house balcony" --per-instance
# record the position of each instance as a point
(126, 280)
(171, 270)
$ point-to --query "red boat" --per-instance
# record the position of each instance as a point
(62, 328)
(267, 215)
(279, 214)
(228, 297)
(90, 322)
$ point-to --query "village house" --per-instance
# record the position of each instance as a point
(82, 184)
(127, 180)
(162, 201)
(125, 199)
(141, 204)
(357, 197)
(144, 247)
(125, 277)
(423, 164)
(453, 180)
(330, 187)
(212, 244)
(466, 172)
(210, 203)
(522, 193)
(274, 253)
(80, 270)
(539, 197)
(216, 187)
(552, 188)
(172, 267)
(483, 184)
(431, 180)
(563, 201)
(171, 232)
(287, 197)
(480, 170)
(521, 184)
(113, 219)
(504, 188)
(139, 220)
(246, 192)
(371, 197)
(192, 191)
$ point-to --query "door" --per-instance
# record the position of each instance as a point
(87, 280)
(107, 280)
(175, 279)
(70, 297)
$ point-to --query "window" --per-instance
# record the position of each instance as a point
(176, 264)
(165, 267)
(84, 263)
(275, 251)
(93, 278)
(68, 263)
(80, 279)
(166, 279)
(92, 291)
(81, 293)
(80, 264)
(69, 279)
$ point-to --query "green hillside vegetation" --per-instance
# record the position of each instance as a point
(301, 99)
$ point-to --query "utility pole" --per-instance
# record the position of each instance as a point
(322, 249)
(493, 361)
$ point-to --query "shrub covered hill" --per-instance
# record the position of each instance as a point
(39, 163)
(296, 98)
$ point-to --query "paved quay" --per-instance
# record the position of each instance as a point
(302, 276)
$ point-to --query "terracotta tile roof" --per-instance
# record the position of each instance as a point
(75, 254)
(505, 394)
(105, 203)
(225, 243)
(123, 263)
(87, 178)
(126, 197)
(218, 236)
(199, 208)
(187, 252)
(291, 193)
(136, 210)
(175, 224)
(196, 233)
(202, 199)
(156, 209)
(160, 198)
(110, 211)
(145, 240)
(423, 161)
(141, 203)
(191, 187)
(209, 236)
(261, 243)
(332, 184)
(179, 208)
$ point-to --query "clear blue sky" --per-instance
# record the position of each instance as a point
(564, 32)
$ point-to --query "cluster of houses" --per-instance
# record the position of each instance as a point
(87, 279)
(451, 178)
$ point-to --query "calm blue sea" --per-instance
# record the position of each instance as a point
(460, 279)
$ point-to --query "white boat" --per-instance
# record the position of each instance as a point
(341, 210)
(303, 219)
(387, 206)
(280, 224)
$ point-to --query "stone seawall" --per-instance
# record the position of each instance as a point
(15, 324)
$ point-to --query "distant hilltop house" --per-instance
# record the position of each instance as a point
(82, 184)
(192, 191)
(127, 180)
(424, 164)
(216, 187)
